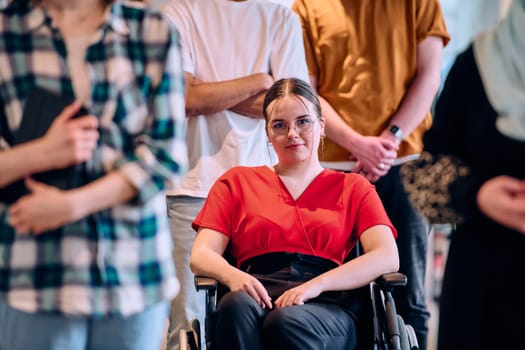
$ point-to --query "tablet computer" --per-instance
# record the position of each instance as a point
(41, 109)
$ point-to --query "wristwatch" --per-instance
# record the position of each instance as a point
(396, 131)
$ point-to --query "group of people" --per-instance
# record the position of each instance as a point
(281, 136)
(375, 90)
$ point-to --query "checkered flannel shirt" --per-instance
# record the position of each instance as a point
(118, 261)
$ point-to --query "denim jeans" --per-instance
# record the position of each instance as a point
(189, 303)
(412, 241)
(23, 331)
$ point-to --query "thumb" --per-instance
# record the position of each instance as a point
(69, 111)
(33, 185)
(357, 167)
(389, 144)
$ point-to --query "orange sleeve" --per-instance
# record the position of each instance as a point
(309, 36)
(430, 21)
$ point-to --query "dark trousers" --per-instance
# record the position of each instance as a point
(412, 242)
(321, 323)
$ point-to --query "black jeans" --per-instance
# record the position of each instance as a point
(326, 322)
(412, 242)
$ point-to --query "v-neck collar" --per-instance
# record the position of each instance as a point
(284, 188)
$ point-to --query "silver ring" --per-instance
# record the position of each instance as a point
(381, 166)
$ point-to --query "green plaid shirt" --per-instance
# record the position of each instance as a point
(117, 261)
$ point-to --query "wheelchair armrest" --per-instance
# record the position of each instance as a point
(210, 286)
(206, 283)
(392, 279)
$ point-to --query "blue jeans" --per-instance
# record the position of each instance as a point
(23, 331)
(412, 242)
(189, 303)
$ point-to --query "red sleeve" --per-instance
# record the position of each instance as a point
(371, 211)
(216, 214)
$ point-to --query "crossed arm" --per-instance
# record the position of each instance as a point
(243, 95)
(380, 257)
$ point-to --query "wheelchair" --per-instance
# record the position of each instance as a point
(386, 330)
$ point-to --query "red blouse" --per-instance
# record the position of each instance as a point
(254, 209)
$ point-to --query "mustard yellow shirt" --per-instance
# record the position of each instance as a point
(364, 55)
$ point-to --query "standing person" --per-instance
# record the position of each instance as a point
(232, 53)
(88, 266)
(376, 66)
(474, 176)
(290, 228)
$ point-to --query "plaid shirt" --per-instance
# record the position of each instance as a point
(117, 261)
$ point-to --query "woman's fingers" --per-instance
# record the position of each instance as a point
(289, 298)
(259, 297)
(253, 293)
(266, 301)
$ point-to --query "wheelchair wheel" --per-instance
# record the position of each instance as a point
(412, 339)
(195, 328)
(190, 339)
(403, 334)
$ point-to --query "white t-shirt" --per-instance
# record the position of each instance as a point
(224, 40)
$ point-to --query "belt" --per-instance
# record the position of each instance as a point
(271, 262)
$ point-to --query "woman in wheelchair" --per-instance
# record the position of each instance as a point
(290, 228)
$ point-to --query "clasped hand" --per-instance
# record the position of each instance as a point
(502, 198)
(375, 156)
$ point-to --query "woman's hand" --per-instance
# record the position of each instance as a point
(70, 141)
(242, 281)
(300, 294)
(502, 199)
(46, 208)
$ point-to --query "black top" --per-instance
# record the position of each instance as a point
(465, 146)
(479, 303)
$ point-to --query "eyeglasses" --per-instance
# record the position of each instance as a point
(302, 126)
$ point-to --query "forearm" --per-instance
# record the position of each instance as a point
(417, 102)
(22, 160)
(251, 107)
(380, 257)
(421, 92)
(336, 129)
(208, 263)
(110, 190)
(360, 271)
(206, 98)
